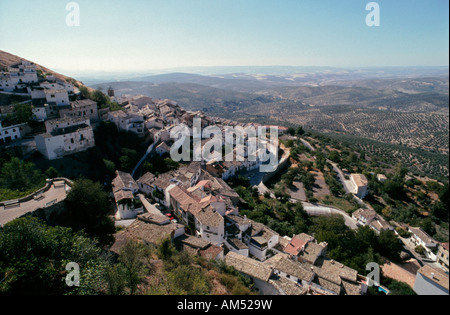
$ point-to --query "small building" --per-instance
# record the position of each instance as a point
(210, 225)
(128, 122)
(151, 230)
(65, 136)
(111, 92)
(124, 189)
(200, 247)
(292, 270)
(81, 109)
(162, 149)
(11, 133)
(297, 244)
(368, 217)
(57, 95)
(420, 238)
(431, 281)
(359, 185)
(145, 183)
(261, 240)
(259, 272)
(381, 178)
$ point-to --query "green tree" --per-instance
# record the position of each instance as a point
(52, 172)
(110, 167)
(23, 112)
(389, 245)
(33, 257)
(125, 276)
(291, 131)
(20, 175)
(102, 100)
(128, 160)
(88, 209)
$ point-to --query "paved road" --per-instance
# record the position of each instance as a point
(55, 194)
(322, 210)
(347, 184)
(307, 144)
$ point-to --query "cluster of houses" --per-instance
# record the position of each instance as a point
(207, 223)
(68, 123)
(18, 76)
(430, 280)
(432, 249)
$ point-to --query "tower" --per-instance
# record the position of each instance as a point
(110, 92)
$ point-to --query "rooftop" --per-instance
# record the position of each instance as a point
(82, 103)
(151, 233)
(249, 266)
(360, 180)
(436, 275)
(422, 235)
(288, 287)
(283, 263)
(123, 180)
(311, 252)
(209, 217)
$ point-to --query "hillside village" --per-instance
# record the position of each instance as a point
(192, 205)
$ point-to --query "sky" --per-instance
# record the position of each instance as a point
(141, 35)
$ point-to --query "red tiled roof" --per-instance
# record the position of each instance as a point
(295, 246)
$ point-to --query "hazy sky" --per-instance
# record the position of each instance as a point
(119, 35)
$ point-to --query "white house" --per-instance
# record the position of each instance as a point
(11, 133)
(65, 136)
(124, 189)
(58, 86)
(17, 76)
(145, 183)
(40, 113)
(210, 226)
(431, 281)
(133, 123)
(260, 240)
(359, 185)
(259, 272)
(56, 96)
(81, 109)
(421, 238)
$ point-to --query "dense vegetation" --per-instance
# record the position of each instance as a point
(34, 257)
(18, 178)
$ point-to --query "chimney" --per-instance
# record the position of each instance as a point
(432, 275)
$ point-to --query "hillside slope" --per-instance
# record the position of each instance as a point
(7, 59)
